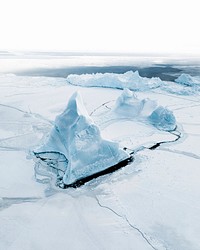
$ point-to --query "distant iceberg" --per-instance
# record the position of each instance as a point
(129, 106)
(76, 137)
(185, 85)
(131, 80)
(188, 80)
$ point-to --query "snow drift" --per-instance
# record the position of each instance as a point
(76, 137)
(129, 106)
(130, 79)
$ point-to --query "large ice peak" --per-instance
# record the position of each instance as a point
(77, 138)
(76, 105)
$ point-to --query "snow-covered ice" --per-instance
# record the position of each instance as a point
(152, 203)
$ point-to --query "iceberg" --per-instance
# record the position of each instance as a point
(188, 80)
(184, 85)
(76, 138)
(163, 119)
(129, 105)
(131, 80)
(146, 110)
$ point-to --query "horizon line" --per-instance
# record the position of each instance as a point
(96, 53)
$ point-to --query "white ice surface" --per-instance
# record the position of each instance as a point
(151, 204)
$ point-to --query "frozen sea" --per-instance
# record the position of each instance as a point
(152, 203)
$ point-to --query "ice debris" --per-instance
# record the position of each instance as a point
(75, 136)
(131, 80)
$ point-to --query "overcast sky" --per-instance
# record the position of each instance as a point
(137, 26)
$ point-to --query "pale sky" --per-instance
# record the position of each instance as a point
(137, 26)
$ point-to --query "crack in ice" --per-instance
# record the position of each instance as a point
(102, 105)
(6, 202)
(27, 112)
(128, 222)
(185, 153)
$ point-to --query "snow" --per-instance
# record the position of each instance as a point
(77, 137)
(153, 203)
(131, 80)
